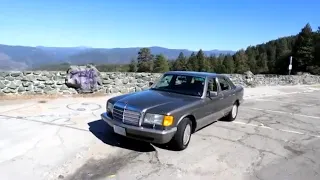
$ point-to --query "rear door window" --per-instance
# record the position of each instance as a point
(225, 86)
(230, 83)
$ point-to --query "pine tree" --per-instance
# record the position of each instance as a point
(261, 48)
(172, 63)
(192, 62)
(252, 63)
(272, 56)
(315, 68)
(220, 68)
(212, 61)
(241, 62)
(228, 64)
(281, 48)
(251, 53)
(202, 62)
(181, 63)
(317, 47)
(303, 52)
(133, 66)
(262, 63)
(145, 60)
(161, 64)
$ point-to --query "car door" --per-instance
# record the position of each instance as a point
(227, 93)
(211, 109)
(232, 92)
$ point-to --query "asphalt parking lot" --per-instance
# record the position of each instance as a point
(272, 138)
(276, 137)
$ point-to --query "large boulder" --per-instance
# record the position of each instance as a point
(85, 79)
(249, 79)
(248, 75)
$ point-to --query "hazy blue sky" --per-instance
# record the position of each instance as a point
(188, 24)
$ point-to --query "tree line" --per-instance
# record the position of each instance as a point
(267, 58)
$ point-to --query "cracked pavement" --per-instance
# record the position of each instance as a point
(275, 136)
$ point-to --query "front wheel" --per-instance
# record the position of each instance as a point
(181, 139)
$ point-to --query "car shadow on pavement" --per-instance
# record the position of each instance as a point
(105, 133)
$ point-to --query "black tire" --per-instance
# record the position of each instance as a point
(177, 141)
(230, 117)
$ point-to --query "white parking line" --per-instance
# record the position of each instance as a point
(267, 127)
(283, 112)
(281, 102)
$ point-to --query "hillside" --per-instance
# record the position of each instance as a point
(23, 57)
(271, 57)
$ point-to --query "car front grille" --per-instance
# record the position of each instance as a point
(126, 115)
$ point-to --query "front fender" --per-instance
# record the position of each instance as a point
(193, 119)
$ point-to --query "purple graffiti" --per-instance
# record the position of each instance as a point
(84, 80)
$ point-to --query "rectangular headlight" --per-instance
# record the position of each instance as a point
(153, 119)
(158, 119)
(109, 107)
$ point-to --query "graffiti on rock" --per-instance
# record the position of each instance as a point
(85, 80)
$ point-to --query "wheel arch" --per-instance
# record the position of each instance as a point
(237, 102)
(193, 121)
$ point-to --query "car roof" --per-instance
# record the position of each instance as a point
(195, 73)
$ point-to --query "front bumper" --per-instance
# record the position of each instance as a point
(142, 133)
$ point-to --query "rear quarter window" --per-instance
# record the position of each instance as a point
(230, 83)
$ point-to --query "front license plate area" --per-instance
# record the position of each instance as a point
(119, 130)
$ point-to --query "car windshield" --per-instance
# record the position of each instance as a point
(182, 84)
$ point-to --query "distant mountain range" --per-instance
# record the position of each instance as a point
(24, 57)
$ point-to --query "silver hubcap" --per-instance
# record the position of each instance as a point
(234, 111)
(186, 134)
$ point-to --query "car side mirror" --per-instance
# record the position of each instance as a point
(150, 83)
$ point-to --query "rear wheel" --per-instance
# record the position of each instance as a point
(181, 139)
(233, 113)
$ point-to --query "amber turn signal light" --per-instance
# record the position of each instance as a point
(167, 121)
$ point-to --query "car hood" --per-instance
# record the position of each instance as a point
(157, 101)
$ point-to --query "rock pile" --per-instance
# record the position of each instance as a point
(86, 79)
